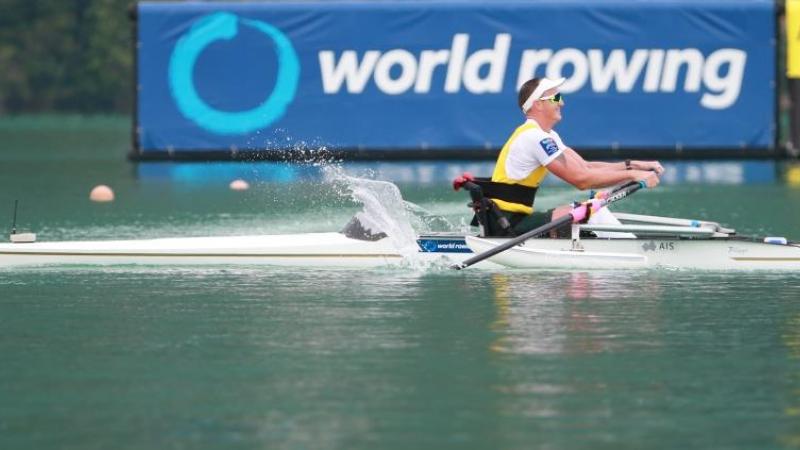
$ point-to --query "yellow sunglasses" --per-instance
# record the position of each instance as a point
(555, 98)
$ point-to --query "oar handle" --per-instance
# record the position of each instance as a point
(593, 194)
(617, 194)
(626, 190)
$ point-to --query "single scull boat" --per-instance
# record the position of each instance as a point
(633, 241)
(658, 242)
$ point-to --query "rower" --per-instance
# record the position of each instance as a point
(534, 149)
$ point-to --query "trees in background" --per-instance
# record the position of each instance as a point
(65, 56)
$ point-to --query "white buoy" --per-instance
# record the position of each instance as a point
(239, 185)
(23, 238)
(101, 193)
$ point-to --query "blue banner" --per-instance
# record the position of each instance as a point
(397, 75)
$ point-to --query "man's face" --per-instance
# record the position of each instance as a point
(550, 104)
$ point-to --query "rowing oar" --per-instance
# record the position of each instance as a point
(617, 194)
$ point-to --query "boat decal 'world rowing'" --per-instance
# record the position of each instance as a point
(443, 246)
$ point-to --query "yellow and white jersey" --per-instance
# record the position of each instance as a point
(524, 159)
(530, 148)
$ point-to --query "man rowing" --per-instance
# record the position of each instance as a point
(535, 148)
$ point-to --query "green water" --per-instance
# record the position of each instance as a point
(397, 358)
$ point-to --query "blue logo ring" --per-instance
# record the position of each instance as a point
(206, 31)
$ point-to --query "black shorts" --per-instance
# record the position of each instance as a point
(522, 223)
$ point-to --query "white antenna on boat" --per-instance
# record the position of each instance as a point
(14, 222)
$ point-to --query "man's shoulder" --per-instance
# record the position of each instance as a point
(543, 143)
(533, 132)
(539, 137)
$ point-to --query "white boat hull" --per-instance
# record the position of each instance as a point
(703, 254)
(310, 249)
(338, 250)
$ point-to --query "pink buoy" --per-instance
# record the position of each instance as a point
(239, 185)
(101, 193)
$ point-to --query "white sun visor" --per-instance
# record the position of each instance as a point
(545, 85)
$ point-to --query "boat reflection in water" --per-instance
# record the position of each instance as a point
(573, 313)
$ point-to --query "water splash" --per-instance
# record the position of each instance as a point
(383, 207)
(425, 221)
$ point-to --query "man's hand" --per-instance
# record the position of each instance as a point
(649, 177)
(655, 166)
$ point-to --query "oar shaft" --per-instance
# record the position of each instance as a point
(561, 221)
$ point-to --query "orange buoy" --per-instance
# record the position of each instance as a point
(239, 185)
(101, 193)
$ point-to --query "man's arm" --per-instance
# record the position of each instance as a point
(572, 168)
(607, 165)
(635, 165)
